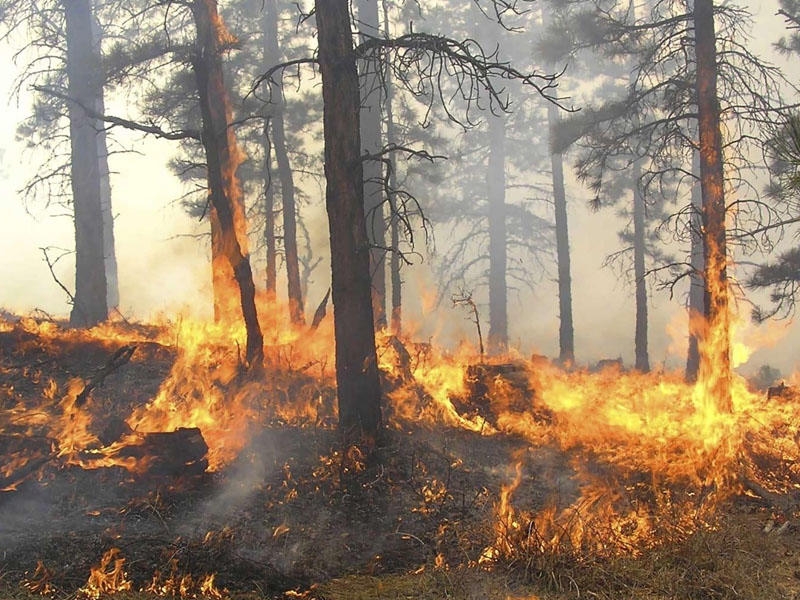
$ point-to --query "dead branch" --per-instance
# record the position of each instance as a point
(117, 360)
(319, 314)
(51, 266)
(465, 299)
(152, 129)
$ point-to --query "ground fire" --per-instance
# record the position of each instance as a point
(153, 453)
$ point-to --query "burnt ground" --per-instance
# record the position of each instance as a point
(291, 513)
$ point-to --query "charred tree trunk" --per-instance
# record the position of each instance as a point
(391, 138)
(715, 367)
(566, 335)
(222, 159)
(696, 285)
(359, 391)
(371, 144)
(85, 87)
(639, 250)
(226, 286)
(498, 253)
(272, 55)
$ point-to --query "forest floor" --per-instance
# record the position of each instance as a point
(290, 518)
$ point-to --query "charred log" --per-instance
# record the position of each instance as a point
(167, 453)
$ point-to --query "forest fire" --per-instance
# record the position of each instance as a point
(602, 463)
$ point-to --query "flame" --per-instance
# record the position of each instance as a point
(176, 585)
(107, 578)
(646, 453)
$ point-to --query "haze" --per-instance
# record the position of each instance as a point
(164, 270)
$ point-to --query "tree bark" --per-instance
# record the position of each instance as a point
(272, 56)
(566, 335)
(269, 32)
(394, 221)
(222, 159)
(85, 87)
(357, 379)
(225, 284)
(715, 368)
(498, 251)
(639, 251)
(371, 143)
(696, 285)
(270, 247)
(109, 245)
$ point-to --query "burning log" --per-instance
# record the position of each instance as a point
(608, 363)
(178, 453)
(494, 389)
(780, 391)
(182, 452)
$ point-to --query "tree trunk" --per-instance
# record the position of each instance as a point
(109, 245)
(222, 159)
(358, 386)
(639, 250)
(272, 56)
(391, 138)
(566, 335)
(85, 87)
(715, 368)
(371, 143)
(270, 32)
(270, 248)
(226, 287)
(498, 254)
(696, 285)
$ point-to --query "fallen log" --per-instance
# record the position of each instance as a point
(178, 453)
(169, 453)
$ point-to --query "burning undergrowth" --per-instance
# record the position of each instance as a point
(147, 458)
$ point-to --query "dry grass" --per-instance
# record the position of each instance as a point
(734, 561)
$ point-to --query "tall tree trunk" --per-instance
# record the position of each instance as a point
(696, 285)
(270, 247)
(391, 138)
(639, 249)
(272, 52)
(270, 57)
(222, 160)
(373, 172)
(85, 87)
(498, 252)
(566, 334)
(226, 288)
(109, 245)
(715, 367)
(357, 379)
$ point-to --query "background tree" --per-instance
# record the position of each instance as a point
(372, 102)
(665, 92)
(781, 276)
(64, 50)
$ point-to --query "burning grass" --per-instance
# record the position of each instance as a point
(509, 479)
